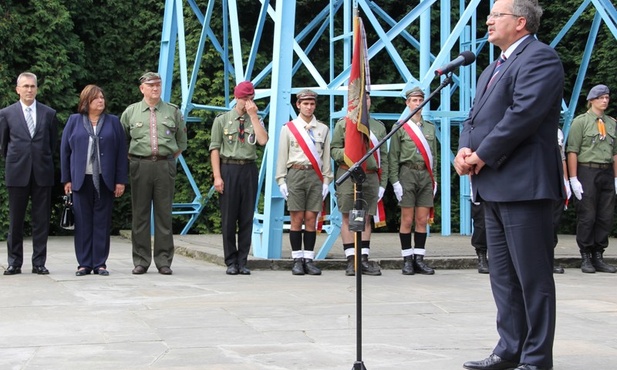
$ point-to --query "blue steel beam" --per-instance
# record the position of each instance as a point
(281, 74)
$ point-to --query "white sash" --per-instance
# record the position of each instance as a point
(375, 142)
(420, 136)
(300, 125)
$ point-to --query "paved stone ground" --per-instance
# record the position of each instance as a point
(200, 318)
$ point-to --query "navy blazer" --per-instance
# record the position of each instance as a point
(513, 125)
(112, 148)
(25, 155)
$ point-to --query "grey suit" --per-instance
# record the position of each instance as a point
(29, 174)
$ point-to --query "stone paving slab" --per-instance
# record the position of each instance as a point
(201, 318)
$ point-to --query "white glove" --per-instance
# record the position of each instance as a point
(569, 191)
(577, 188)
(382, 190)
(434, 188)
(615, 185)
(398, 190)
(325, 189)
(283, 189)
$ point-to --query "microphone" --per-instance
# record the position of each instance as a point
(464, 59)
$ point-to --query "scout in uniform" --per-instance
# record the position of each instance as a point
(412, 176)
(233, 152)
(303, 173)
(373, 189)
(592, 154)
(157, 136)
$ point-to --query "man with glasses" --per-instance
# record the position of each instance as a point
(28, 136)
(157, 136)
(509, 147)
(233, 153)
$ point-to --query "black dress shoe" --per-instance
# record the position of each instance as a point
(41, 270)
(558, 269)
(138, 270)
(12, 270)
(101, 271)
(232, 270)
(82, 272)
(529, 367)
(165, 270)
(243, 270)
(492, 362)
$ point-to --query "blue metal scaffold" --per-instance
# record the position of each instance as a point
(294, 51)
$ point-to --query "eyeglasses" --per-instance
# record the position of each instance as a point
(499, 15)
(28, 87)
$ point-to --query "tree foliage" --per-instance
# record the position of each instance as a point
(70, 44)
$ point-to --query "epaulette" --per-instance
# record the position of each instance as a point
(173, 105)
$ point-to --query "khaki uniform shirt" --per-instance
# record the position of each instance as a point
(291, 153)
(584, 139)
(170, 129)
(224, 136)
(403, 150)
(338, 148)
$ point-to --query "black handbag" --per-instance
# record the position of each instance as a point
(67, 221)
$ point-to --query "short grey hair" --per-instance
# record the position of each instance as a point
(27, 75)
(531, 11)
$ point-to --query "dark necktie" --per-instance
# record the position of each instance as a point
(502, 59)
(241, 129)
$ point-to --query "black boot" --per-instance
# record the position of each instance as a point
(420, 267)
(298, 268)
(482, 261)
(351, 269)
(369, 267)
(557, 269)
(408, 265)
(310, 268)
(586, 265)
(597, 260)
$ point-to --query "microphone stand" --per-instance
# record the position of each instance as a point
(357, 221)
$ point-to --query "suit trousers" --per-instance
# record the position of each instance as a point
(40, 214)
(520, 243)
(152, 193)
(237, 205)
(92, 224)
(478, 237)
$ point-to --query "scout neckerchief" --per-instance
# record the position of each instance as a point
(418, 138)
(310, 151)
(380, 217)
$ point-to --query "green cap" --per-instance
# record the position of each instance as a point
(416, 91)
(306, 94)
(150, 78)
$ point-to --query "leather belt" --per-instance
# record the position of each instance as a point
(236, 161)
(301, 166)
(596, 165)
(153, 157)
(414, 166)
(346, 167)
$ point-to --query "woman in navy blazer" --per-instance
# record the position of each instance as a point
(94, 164)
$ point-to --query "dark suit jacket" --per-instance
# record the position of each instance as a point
(513, 127)
(24, 154)
(112, 148)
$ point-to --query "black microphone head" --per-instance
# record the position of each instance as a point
(468, 56)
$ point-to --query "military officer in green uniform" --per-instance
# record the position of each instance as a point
(373, 189)
(157, 136)
(412, 182)
(232, 154)
(592, 167)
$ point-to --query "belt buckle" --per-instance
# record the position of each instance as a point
(154, 158)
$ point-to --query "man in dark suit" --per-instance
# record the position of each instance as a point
(509, 147)
(28, 134)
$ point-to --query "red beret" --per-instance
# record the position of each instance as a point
(244, 89)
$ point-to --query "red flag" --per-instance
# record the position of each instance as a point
(357, 132)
